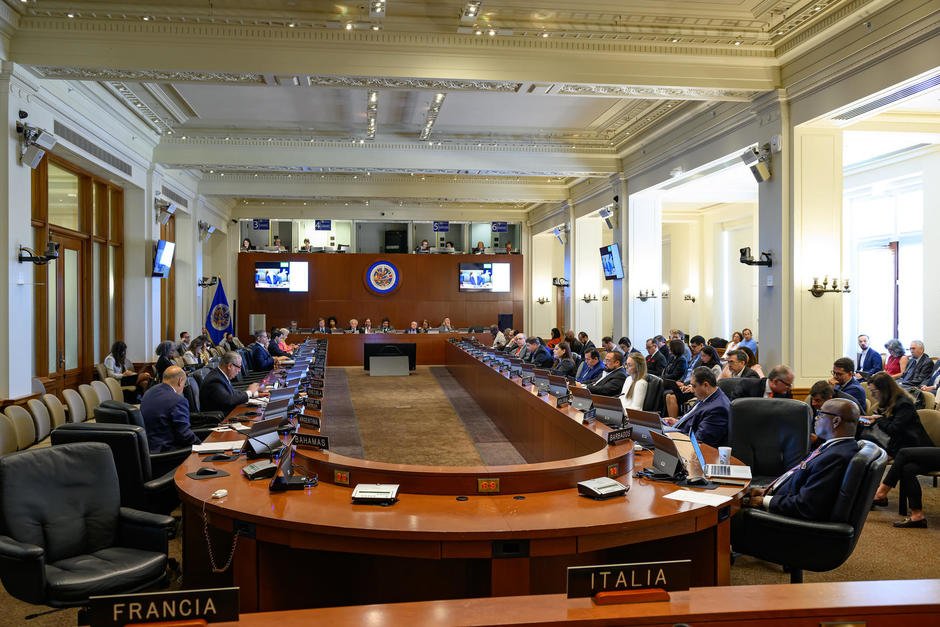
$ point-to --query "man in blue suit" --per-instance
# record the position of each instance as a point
(843, 381)
(593, 366)
(166, 413)
(260, 357)
(868, 361)
(217, 393)
(709, 418)
(809, 489)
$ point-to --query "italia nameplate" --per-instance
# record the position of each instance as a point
(586, 581)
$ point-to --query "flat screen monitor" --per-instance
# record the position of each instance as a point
(611, 262)
(484, 277)
(287, 276)
(163, 259)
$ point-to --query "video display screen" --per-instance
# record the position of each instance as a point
(163, 259)
(289, 276)
(611, 262)
(484, 277)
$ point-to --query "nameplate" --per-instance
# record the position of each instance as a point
(214, 605)
(619, 435)
(309, 421)
(589, 416)
(563, 401)
(317, 372)
(586, 581)
(315, 392)
(303, 440)
(314, 403)
(316, 383)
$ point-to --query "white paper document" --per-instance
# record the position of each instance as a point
(702, 498)
(217, 447)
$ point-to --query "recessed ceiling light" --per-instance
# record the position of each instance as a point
(362, 141)
(349, 25)
(291, 24)
(70, 15)
(211, 171)
(221, 173)
(737, 43)
(544, 35)
(491, 32)
(183, 137)
(376, 27)
(674, 40)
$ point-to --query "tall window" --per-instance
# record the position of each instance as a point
(78, 304)
(886, 229)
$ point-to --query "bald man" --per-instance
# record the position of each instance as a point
(166, 413)
(809, 489)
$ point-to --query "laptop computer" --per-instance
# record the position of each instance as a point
(281, 393)
(580, 398)
(643, 423)
(540, 379)
(609, 409)
(276, 408)
(666, 458)
(721, 473)
(557, 385)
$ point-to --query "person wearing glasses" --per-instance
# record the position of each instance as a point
(843, 380)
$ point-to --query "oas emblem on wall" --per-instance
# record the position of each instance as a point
(221, 318)
(382, 277)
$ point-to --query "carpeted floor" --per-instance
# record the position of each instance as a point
(409, 420)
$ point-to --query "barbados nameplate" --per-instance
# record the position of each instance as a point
(214, 605)
(312, 441)
(586, 581)
(619, 435)
(309, 421)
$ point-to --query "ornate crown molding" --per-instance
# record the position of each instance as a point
(655, 92)
(155, 76)
(442, 175)
(436, 84)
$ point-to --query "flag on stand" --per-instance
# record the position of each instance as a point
(219, 318)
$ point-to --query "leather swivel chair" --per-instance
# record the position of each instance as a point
(819, 546)
(655, 400)
(771, 435)
(736, 387)
(141, 487)
(64, 541)
(199, 420)
(117, 413)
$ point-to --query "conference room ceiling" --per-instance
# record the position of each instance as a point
(543, 95)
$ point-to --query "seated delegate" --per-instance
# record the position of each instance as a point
(908, 464)
(217, 393)
(592, 367)
(166, 413)
(633, 393)
(897, 424)
(563, 364)
(612, 378)
(538, 353)
(121, 368)
(709, 418)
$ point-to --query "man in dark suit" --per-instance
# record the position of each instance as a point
(260, 356)
(709, 418)
(354, 326)
(821, 392)
(613, 377)
(919, 367)
(809, 489)
(166, 413)
(843, 381)
(777, 384)
(274, 349)
(737, 363)
(696, 344)
(539, 354)
(592, 368)
(586, 342)
(655, 362)
(868, 361)
(321, 326)
(217, 393)
(413, 327)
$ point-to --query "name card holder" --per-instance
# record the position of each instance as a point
(589, 416)
(629, 583)
(630, 596)
(303, 440)
(563, 401)
(309, 421)
(618, 436)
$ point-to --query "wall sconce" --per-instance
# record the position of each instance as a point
(207, 281)
(541, 300)
(645, 295)
(819, 289)
(605, 295)
(665, 291)
(589, 298)
(51, 253)
(688, 297)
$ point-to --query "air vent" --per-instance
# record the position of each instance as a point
(911, 90)
(169, 193)
(96, 151)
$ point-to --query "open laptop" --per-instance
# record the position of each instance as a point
(557, 385)
(666, 458)
(580, 398)
(720, 472)
(281, 393)
(609, 409)
(277, 408)
(540, 379)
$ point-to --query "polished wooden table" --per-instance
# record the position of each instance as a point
(346, 348)
(313, 548)
(910, 603)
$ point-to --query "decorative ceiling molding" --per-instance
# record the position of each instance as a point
(65, 72)
(655, 92)
(533, 177)
(138, 106)
(436, 84)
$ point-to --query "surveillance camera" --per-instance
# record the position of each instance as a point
(745, 254)
(23, 114)
(52, 250)
(616, 198)
(32, 155)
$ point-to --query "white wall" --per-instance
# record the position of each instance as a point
(547, 262)
(589, 277)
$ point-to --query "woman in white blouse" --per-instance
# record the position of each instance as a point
(121, 368)
(634, 388)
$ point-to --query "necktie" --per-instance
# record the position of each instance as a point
(779, 481)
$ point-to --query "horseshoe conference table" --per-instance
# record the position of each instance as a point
(314, 548)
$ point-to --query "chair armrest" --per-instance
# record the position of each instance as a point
(23, 570)
(145, 531)
(784, 524)
(162, 463)
(164, 482)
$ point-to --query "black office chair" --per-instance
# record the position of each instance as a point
(141, 487)
(799, 545)
(65, 536)
(771, 435)
(655, 400)
(199, 419)
(118, 413)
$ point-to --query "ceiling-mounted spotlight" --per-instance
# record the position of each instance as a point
(36, 142)
(609, 216)
(758, 159)
(471, 10)
(164, 209)
(377, 8)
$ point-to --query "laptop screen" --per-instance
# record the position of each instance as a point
(697, 449)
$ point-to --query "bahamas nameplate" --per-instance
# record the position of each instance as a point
(214, 605)
(312, 441)
(586, 581)
(619, 435)
(309, 421)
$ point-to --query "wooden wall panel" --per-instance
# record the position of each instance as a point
(427, 289)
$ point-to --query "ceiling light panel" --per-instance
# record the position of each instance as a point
(377, 8)
(433, 112)
(372, 109)
(471, 10)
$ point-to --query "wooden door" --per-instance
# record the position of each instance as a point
(65, 286)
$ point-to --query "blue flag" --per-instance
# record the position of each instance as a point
(219, 318)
